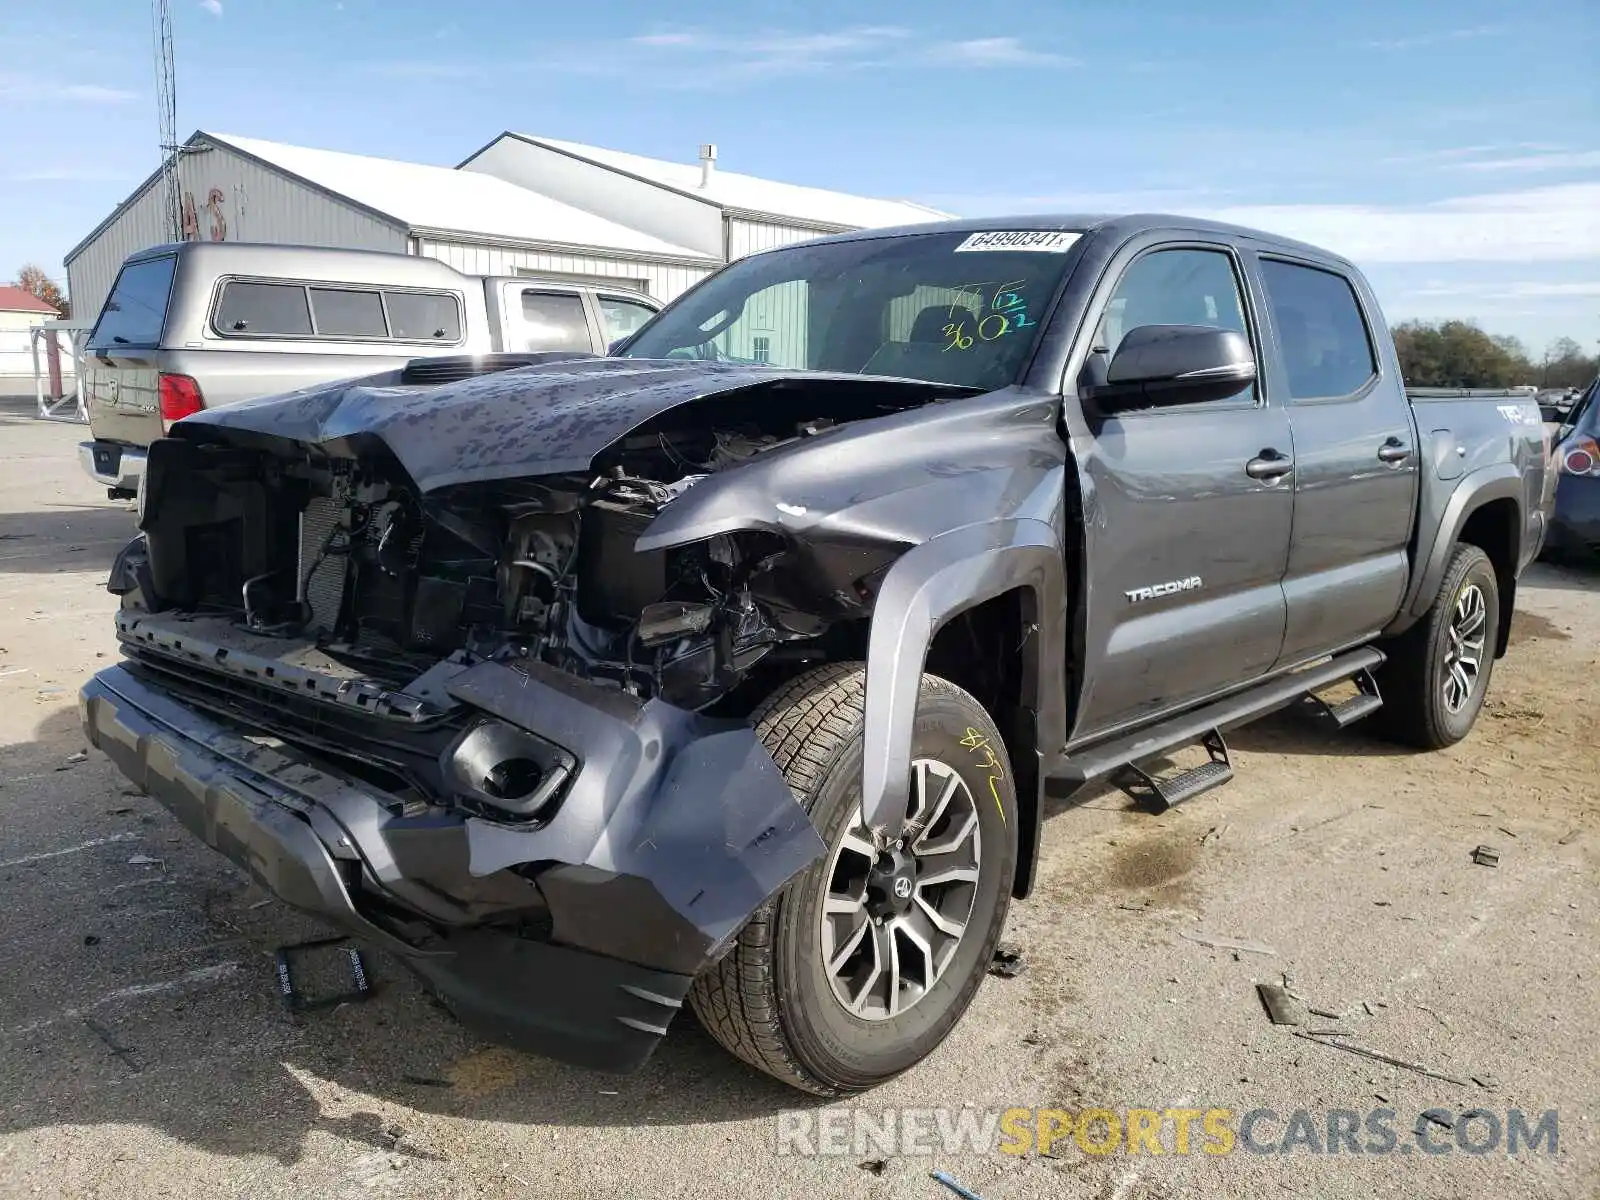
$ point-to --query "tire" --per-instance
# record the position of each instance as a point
(1417, 710)
(771, 1000)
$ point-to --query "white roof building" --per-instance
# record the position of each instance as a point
(521, 205)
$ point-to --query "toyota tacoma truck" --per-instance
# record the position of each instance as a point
(733, 668)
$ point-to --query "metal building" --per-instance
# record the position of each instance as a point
(521, 205)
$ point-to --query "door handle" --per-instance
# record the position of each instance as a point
(1394, 451)
(1269, 465)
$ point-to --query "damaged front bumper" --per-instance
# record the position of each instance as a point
(672, 829)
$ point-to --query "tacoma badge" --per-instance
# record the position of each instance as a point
(1170, 588)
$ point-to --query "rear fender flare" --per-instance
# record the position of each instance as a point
(1499, 482)
(925, 588)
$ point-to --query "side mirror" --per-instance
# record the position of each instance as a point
(1175, 364)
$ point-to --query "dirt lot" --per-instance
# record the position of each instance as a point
(144, 1052)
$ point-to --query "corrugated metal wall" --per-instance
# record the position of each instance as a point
(251, 204)
(663, 282)
(746, 237)
(775, 324)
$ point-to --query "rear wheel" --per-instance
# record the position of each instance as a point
(1438, 670)
(863, 965)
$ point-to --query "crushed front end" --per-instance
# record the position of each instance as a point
(473, 724)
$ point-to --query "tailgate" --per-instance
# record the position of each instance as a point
(123, 399)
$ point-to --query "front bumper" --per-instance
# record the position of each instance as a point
(648, 869)
(113, 465)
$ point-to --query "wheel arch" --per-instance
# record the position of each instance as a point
(1484, 510)
(988, 577)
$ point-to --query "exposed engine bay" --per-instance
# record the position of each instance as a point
(345, 553)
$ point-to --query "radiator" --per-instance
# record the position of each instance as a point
(323, 588)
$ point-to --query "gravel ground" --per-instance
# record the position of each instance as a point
(144, 1052)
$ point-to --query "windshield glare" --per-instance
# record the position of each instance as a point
(956, 308)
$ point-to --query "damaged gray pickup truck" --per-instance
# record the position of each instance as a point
(735, 667)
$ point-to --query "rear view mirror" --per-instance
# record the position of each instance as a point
(1175, 364)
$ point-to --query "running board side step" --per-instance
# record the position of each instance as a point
(1364, 703)
(1161, 792)
(1095, 762)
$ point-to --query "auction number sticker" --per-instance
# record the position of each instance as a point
(1043, 241)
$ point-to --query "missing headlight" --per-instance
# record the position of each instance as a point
(507, 773)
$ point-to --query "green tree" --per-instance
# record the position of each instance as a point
(1459, 354)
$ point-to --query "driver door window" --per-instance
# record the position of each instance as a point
(1175, 287)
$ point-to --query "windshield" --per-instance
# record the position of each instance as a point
(961, 308)
(137, 307)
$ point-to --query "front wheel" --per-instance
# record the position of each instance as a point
(863, 965)
(1438, 670)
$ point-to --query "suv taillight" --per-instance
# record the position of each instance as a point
(1580, 457)
(180, 396)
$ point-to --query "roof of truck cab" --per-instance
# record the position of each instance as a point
(1123, 225)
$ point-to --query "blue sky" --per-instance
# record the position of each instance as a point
(1452, 149)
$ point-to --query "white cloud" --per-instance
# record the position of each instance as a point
(1437, 38)
(1565, 160)
(1508, 291)
(46, 90)
(996, 52)
(1550, 224)
(1560, 223)
(720, 56)
(214, 7)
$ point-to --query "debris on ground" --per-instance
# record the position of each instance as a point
(1008, 961)
(954, 1186)
(1352, 1048)
(79, 757)
(874, 1166)
(143, 860)
(1227, 943)
(427, 1081)
(1324, 1013)
(1486, 856)
(1214, 834)
(1568, 837)
(1282, 1008)
(1433, 1117)
(91, 939)
(1433, 1014)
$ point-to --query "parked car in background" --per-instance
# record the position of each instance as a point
(607, 686)
(1575, 526)
(204, 324)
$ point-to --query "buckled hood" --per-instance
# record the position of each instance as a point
(550, 418)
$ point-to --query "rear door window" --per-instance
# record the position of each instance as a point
(136, 310)
(423, 316)
(263, 310)
(622, 318)
(554, 321)
(1327, 351)
(342, 312)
